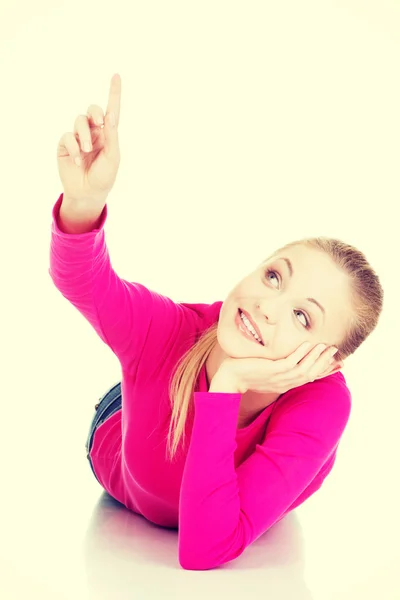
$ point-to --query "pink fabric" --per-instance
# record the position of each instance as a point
(227, 486)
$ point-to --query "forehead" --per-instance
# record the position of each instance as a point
(318, 273)
(304, 260)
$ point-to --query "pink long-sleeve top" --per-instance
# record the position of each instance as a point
(226, 486)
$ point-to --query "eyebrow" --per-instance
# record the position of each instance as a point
(290, 267)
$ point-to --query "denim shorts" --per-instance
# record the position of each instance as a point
(107, 406)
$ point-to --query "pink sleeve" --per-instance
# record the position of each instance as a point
(127, 316)
(223, 510)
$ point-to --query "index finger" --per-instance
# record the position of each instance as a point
(114, 97)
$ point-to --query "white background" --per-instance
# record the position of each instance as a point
(283, 116)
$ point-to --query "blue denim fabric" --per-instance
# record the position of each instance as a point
(107, 406)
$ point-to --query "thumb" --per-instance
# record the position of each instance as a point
(111, 148)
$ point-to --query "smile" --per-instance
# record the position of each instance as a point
(246, 328)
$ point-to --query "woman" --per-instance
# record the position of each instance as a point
(251, 382)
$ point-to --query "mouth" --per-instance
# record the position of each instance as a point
(244, 329)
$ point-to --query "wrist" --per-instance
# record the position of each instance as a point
(224, 383)
(78, 218)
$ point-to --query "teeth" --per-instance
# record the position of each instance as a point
(249, 326)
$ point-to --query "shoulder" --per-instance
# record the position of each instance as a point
(323, 404)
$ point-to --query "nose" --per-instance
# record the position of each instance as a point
(268, 315)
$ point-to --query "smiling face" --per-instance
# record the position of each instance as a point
(276, 295)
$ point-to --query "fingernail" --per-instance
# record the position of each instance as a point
(333, 351)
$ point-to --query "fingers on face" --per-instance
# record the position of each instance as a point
(318, 363)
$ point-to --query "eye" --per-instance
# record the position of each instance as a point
(277, 276)
(269, 272)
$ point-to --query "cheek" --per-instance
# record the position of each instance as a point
(285, 343)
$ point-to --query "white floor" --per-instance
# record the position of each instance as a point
(316, 87)
(63, 537)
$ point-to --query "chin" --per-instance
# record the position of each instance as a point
(234, 347)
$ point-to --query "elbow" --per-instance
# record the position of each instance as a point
(195, 563)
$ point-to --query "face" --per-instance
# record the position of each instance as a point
(277, 300)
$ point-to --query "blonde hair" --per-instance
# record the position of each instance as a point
(367, 302)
